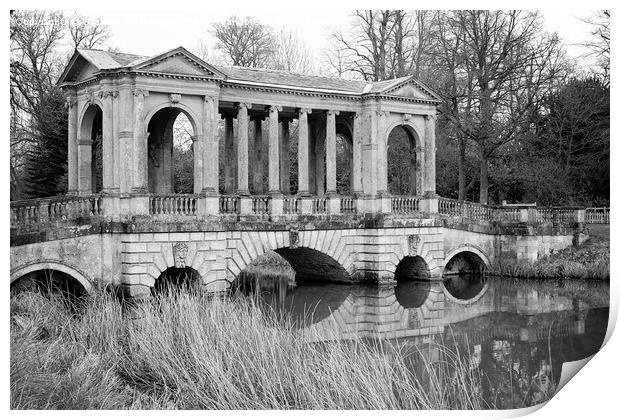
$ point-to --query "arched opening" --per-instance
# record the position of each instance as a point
(344, 159)
(412, 268)
(464, 275)
(293, 282)
(48, 281)
(313, 267)
(170, 152)
(91, 162)
(403, 176)
(175, 279)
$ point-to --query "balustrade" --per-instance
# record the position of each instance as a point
(173, 204)
(291, 205)
(229, 204)
(260, 204)
(27, 213)
(319, 205)
(348, 205)
(405, 205)
(597, 215)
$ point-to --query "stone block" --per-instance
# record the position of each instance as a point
(179, 236)
(196, 236)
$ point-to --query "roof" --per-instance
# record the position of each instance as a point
(285, 78)
(107, 60)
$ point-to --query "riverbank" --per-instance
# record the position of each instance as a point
(193, 352)
(589, 260)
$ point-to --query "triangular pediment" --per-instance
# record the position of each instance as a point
(410, 88)
(178, 62)
(78, 69)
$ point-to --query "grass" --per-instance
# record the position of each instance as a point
(589, 260)
(193, 352)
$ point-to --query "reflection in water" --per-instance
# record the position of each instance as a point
(517, 333)
(464, 286)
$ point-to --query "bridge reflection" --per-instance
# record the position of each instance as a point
(515, 332)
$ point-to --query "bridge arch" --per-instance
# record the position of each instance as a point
(249, 245)
(412, 267)
(404, 146)
(471, 253)
(72, 272)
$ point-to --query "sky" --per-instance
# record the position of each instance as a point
(146, 32)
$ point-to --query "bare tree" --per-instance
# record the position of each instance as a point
(599, 47)
(246, 42)
(87, 33)
(292, 54)
(501, 63)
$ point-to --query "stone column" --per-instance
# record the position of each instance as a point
(382, 153)
(330, 152)
(277, 202)
(210, 157)
(274, 150)
(126, 135)
(230, 159)
(356, 165)
(285, 180)
(84, 158)
(72, 146)
(108, 142)
(429, 155)
(198, 147)
(242, 149)
(140, 144)
(302, 152)
(257, 156)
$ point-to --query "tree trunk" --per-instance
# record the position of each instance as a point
(461, 164)
(484, 180)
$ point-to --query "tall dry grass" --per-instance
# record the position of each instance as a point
(187, 351)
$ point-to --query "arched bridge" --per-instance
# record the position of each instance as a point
(126, 217)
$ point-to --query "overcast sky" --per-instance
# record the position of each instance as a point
(146, 32)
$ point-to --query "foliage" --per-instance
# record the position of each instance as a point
(184, 351)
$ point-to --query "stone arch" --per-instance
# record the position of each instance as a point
(177, 277)
(189, 112)
(80, 277)
(344, 155)
(162, 150)
(408, 152)
(467, 248)
(249, 245)
(90, 133)
(412, 267)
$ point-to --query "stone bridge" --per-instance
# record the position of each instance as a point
(123, 223)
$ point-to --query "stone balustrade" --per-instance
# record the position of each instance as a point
(174, 204)
(405, 205)
(597, 215)
(30, 215)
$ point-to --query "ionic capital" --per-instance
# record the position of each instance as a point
(274, 108)
(70, 102)
(140, 93)
(332, 112)
(108, 93)
(243, 105)
(383, 113)
(430, 117)
(305, 110)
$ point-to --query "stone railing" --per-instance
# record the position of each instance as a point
(29, 213)
(511, 213)
(173, 204)
(229, 204)
(597, 215)
(290, 205)
(348, 205)
(260, 204)
(319, 205)
(405, 205)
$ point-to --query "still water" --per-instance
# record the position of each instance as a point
(516, 333)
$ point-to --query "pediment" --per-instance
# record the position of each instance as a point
(177, 62)
(79, 69)
(411, 89)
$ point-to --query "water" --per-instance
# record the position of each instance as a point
(517, 333)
